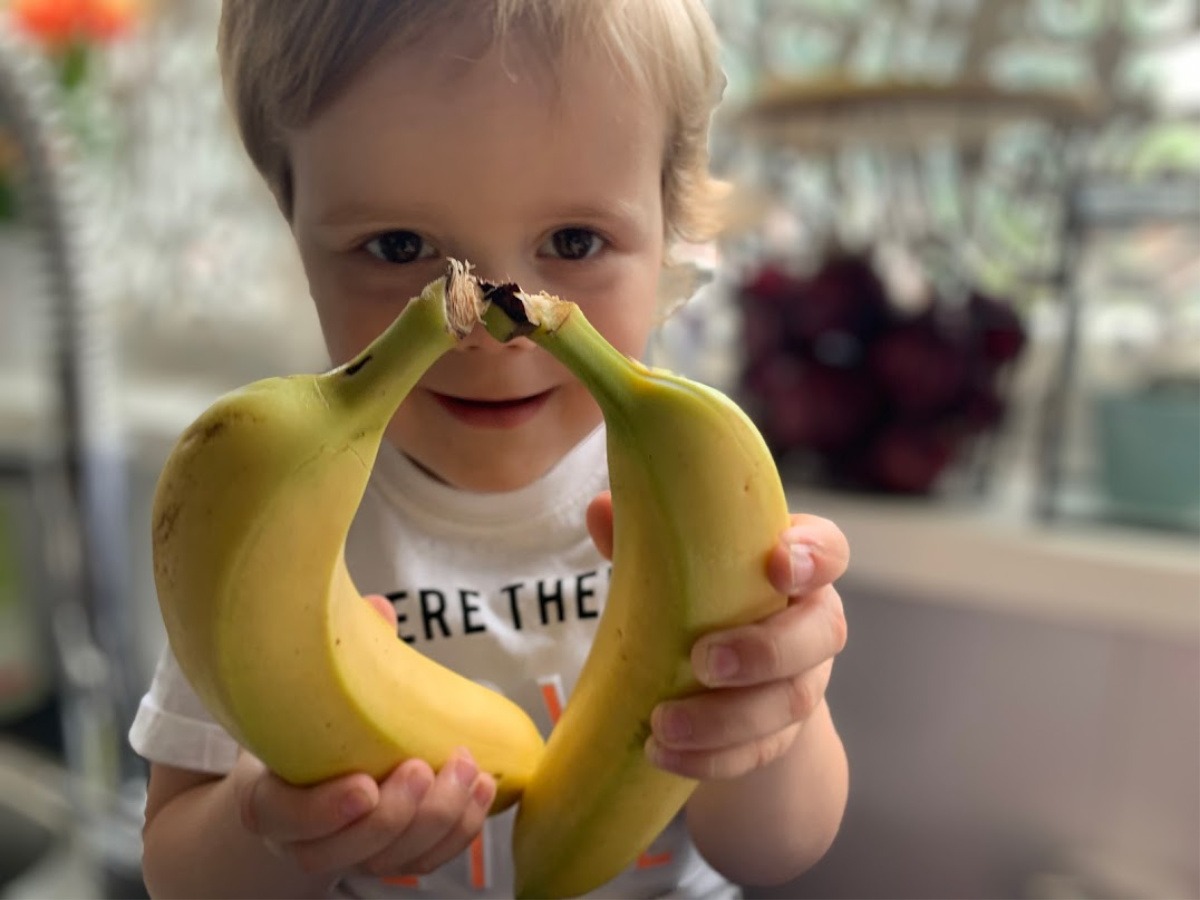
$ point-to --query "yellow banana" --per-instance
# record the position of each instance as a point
(249, 526)
(697, 506)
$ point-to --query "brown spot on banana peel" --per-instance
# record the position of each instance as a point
(641, 734)
(356, 366)
(208, 427)
(205, 431)
(164, 526)
(462, 301)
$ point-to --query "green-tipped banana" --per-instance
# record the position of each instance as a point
(250, 521)
(697, 506)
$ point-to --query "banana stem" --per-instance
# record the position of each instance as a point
(377, 380)
(604, 370)
(560, 328)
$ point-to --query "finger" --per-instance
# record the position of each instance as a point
(812, 551)
(400, 795)
(600, 523)
(383, 606)
(713, 720)
(729, 762)
(783, 645)
(460, 837)
(282, 813)
(437, 815)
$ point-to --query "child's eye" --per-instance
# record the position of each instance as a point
(400, 247)
(572, 243)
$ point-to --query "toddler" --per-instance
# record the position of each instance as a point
(561, 144)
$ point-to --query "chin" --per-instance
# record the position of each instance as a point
(491, 460)
(496, 479)
(490, 468)
(510, 468)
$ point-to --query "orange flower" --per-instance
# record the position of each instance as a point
(109, 19)
(57, 23)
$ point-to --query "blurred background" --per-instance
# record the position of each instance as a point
(960, 295)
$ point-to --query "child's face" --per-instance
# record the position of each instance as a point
(426, 156)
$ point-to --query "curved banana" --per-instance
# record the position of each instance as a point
(249, 526)
(697, 506)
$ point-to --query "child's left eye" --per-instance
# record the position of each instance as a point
(572, 243)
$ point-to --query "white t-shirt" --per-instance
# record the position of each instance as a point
(505, 589)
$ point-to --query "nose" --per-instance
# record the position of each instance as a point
(478, 340)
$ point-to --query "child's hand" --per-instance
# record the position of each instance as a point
(766, 678)
(408, 824)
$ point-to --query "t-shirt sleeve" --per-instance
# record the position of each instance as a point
(173, 728)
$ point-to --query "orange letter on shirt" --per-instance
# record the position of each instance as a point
(408, 881)
(480, 868)
(478, 859)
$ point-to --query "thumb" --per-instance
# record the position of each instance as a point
(600, 523)
(383, 606)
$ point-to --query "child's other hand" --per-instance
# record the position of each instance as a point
(410, 823)
(766, 678)
(383, 606)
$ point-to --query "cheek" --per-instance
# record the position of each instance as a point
(347, 322)
(347, 329)
(626, 318)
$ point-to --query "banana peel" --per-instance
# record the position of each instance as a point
(697, 505)
(250, 518)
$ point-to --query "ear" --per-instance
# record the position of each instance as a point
(680, 278)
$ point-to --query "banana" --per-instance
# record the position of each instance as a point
(697, 505)
(250, 519)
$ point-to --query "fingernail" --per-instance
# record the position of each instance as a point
(721, 662)
(660, 756)
(354, 805)
(802, 565)
(465, 770)
(417, 782)
(485, 790)
(674, 725)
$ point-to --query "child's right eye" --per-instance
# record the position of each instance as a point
(400, 247)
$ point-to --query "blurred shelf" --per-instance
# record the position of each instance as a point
(825, 114)
(992, 559)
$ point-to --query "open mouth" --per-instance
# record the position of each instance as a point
(506, 413)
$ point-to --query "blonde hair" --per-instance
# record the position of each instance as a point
(283, 61)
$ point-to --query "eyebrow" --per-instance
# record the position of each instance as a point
(357, 213)
(613, 209)
(620, 215)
